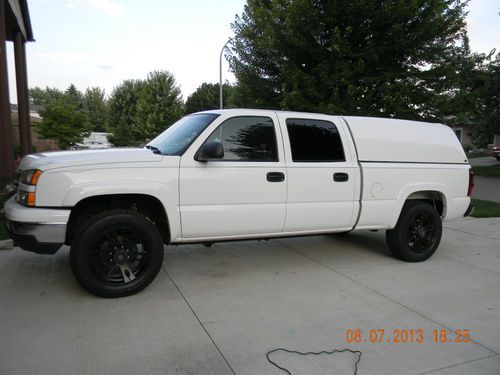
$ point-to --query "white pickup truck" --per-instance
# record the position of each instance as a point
(239, 174)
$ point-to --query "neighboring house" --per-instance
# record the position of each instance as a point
(468, 136)
(95, 141)
(39, 144)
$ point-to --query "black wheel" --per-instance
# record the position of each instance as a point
(417, 233)
(116, 254)
(498, 157)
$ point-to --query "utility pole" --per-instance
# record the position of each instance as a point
(220, 73)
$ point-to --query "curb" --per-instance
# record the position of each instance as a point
(6, 244)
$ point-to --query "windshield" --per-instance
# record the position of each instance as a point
(178, 137)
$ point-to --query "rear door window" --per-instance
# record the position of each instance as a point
(314, 141)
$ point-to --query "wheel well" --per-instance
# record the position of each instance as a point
(435, 198)
(146, 205)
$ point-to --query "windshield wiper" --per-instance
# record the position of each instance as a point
(155, 150)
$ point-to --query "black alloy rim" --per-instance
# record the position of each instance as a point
(422, 233)
(119, 257)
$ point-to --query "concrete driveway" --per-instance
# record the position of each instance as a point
(219, 310)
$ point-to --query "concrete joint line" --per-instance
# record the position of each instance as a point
(474, 234)
(458, 364)
(470, 265)
(198, 319)
(382, 295)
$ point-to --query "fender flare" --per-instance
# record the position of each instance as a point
(407, 190)
(157, 190)
(80, 192)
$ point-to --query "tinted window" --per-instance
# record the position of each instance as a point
(314, 140)
(247, 138)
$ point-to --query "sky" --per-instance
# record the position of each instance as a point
(102, 42)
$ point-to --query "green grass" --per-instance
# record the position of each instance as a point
(488, 171)
(472, 155)
(485, 208)
(3, 231)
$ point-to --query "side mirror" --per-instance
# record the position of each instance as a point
(210, 151)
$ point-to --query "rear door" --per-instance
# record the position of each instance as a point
(244, 193)
(323, 179)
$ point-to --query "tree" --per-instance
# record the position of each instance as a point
(489, 94)
(122, 113)
(345, 56)
(159, 105)
(73, 97)
(95, 107)
(64, 123)
(140, 110)
(41, 97)
(207, 97)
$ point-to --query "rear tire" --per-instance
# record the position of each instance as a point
(498, 157)
(417, 233)
(116, 253)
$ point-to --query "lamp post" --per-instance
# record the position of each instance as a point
(220, 72)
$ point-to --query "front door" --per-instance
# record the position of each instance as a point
(241, 194)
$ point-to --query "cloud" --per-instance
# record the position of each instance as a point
(63, 57)
(106, 67)
(109, 7)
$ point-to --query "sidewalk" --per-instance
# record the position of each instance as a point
(487, 188)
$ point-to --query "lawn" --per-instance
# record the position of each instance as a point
(485, 208)
(488, 171)
(473, 155)
(3, 231)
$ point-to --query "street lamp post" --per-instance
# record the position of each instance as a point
(220, 72)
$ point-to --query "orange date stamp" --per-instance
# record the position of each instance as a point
(407, 336)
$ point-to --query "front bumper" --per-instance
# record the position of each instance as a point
(39, 230)
(38, 238)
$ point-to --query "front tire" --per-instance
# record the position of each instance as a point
(116, 254)
(417, 233)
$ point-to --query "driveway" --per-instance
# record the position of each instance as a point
(219, 310)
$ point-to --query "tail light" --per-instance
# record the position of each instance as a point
(471, 182)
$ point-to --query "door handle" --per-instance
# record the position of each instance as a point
(340, 177)
(275, 177)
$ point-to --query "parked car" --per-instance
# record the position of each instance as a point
(495, 152)
(237, 175)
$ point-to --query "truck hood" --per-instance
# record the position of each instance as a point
(61, 159)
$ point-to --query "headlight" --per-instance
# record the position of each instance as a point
(26, 193)
(30, 177)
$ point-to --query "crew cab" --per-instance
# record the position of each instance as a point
(236, 175)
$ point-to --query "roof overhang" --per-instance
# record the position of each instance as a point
(18, 19)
